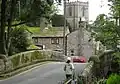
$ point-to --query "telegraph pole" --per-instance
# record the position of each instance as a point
(80, 37)
(74, 17)
(64, 37)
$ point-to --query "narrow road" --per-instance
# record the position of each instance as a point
(50, 73)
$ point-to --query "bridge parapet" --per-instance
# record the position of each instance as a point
(27, 58)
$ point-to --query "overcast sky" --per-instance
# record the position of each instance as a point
(94, 8)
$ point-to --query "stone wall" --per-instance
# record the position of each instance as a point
(73, 42)
(27, 58)
(87, 73)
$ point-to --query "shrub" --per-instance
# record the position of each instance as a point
(115, 62)
(114, 79)
(20, 40)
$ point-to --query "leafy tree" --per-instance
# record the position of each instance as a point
(57, 20)
(22, 11)
(2, 27)
(106, 31)
(115, 62)
(115, 6)
(20, 40)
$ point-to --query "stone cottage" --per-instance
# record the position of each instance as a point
(50, 41)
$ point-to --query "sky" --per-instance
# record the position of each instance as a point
(94, 8)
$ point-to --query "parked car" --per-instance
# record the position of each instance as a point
(79, 59)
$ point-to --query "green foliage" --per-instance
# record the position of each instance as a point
(32, 47)
(114, 79)
(22, 11)
(20, 40)
(57, 20)
(115, 7)
(105, 31)
(33, 30)
(33, 9)
(115, 62)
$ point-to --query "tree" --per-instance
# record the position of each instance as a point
(2, 27)
(27, 11)
(106, 31)
(20, 40)
(57, 20)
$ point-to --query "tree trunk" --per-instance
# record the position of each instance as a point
(12, 10)
(2, 28)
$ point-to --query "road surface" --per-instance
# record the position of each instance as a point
(50, 73)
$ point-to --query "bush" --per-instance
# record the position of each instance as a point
(115, 62)
(114, 79)
(20, 40)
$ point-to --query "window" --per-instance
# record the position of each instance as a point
(54, 40)
(70, 11)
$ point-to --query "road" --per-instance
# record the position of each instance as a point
(50, 73)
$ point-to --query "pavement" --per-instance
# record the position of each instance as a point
(50, 73)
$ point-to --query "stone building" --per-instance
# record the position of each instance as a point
(73, 43)
(75, 11)
(50, 41)
(77, 40)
